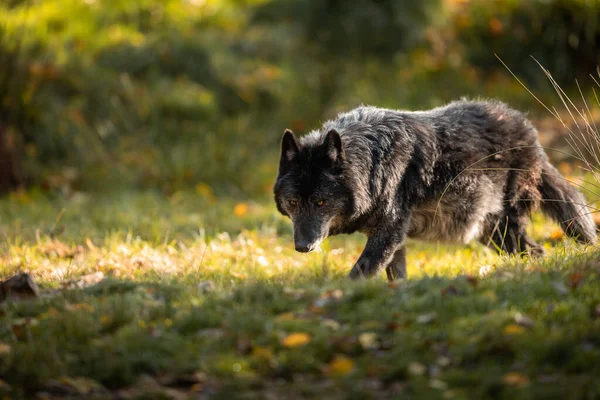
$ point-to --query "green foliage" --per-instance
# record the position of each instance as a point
(354, 29)
(563, 35)
(168, 94)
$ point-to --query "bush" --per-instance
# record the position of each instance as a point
(563, 35)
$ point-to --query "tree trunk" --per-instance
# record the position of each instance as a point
(10, 170)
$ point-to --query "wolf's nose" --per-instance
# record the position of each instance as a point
(304, 247)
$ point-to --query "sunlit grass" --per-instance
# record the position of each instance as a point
(203, 295)
(148, 237)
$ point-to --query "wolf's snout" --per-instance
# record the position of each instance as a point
(305, 247)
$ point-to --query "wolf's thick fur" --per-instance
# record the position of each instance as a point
(471, 170)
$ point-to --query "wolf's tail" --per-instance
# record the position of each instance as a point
(566, 205)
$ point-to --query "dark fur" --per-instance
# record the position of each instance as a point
(469, 170)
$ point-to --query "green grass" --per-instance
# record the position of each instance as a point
(274, 323)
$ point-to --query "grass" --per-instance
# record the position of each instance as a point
(187, 311)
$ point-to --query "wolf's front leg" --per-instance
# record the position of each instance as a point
(377, 255)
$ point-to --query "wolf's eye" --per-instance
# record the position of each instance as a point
(292, 203)
(320, 202)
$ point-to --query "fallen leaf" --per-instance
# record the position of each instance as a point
(495, 26)
(368, 340)
(438, 384)
(205, 191)
(416, 368)
(443, 361)
(556, 234)
(426, 318)
(575, 279)
(331, 324)
(328, 296)
(317, 310)
(473, 281)
(197, 387)
(370, 324)
(84, 281)
(244, 345)
(524, 320)
(286, 316)
(515, 379)
(296, 339)
(263, 353)
(340, 365)
(513, 329)
(240, 209)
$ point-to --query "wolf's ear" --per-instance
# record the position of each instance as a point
(334, 150)
(289, 149)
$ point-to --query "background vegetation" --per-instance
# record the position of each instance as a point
(169, 94)
(138, 148)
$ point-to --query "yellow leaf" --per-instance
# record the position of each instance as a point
(556, 234)
(495, 26)
(296, 339)
(286, 316)
(513, 329)
(340, 365)
(240, 209)
(205, 191)
(263, 353)
(515, 379)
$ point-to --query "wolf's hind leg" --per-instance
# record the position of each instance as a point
(509, 236)
(397, 267)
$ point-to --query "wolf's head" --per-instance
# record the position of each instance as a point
(310, 188)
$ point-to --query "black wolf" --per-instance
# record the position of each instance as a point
(471, 170)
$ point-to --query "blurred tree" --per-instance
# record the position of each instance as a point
(335, 33)
(563, 35)
(11, 110)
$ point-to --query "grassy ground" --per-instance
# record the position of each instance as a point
(186, 311)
